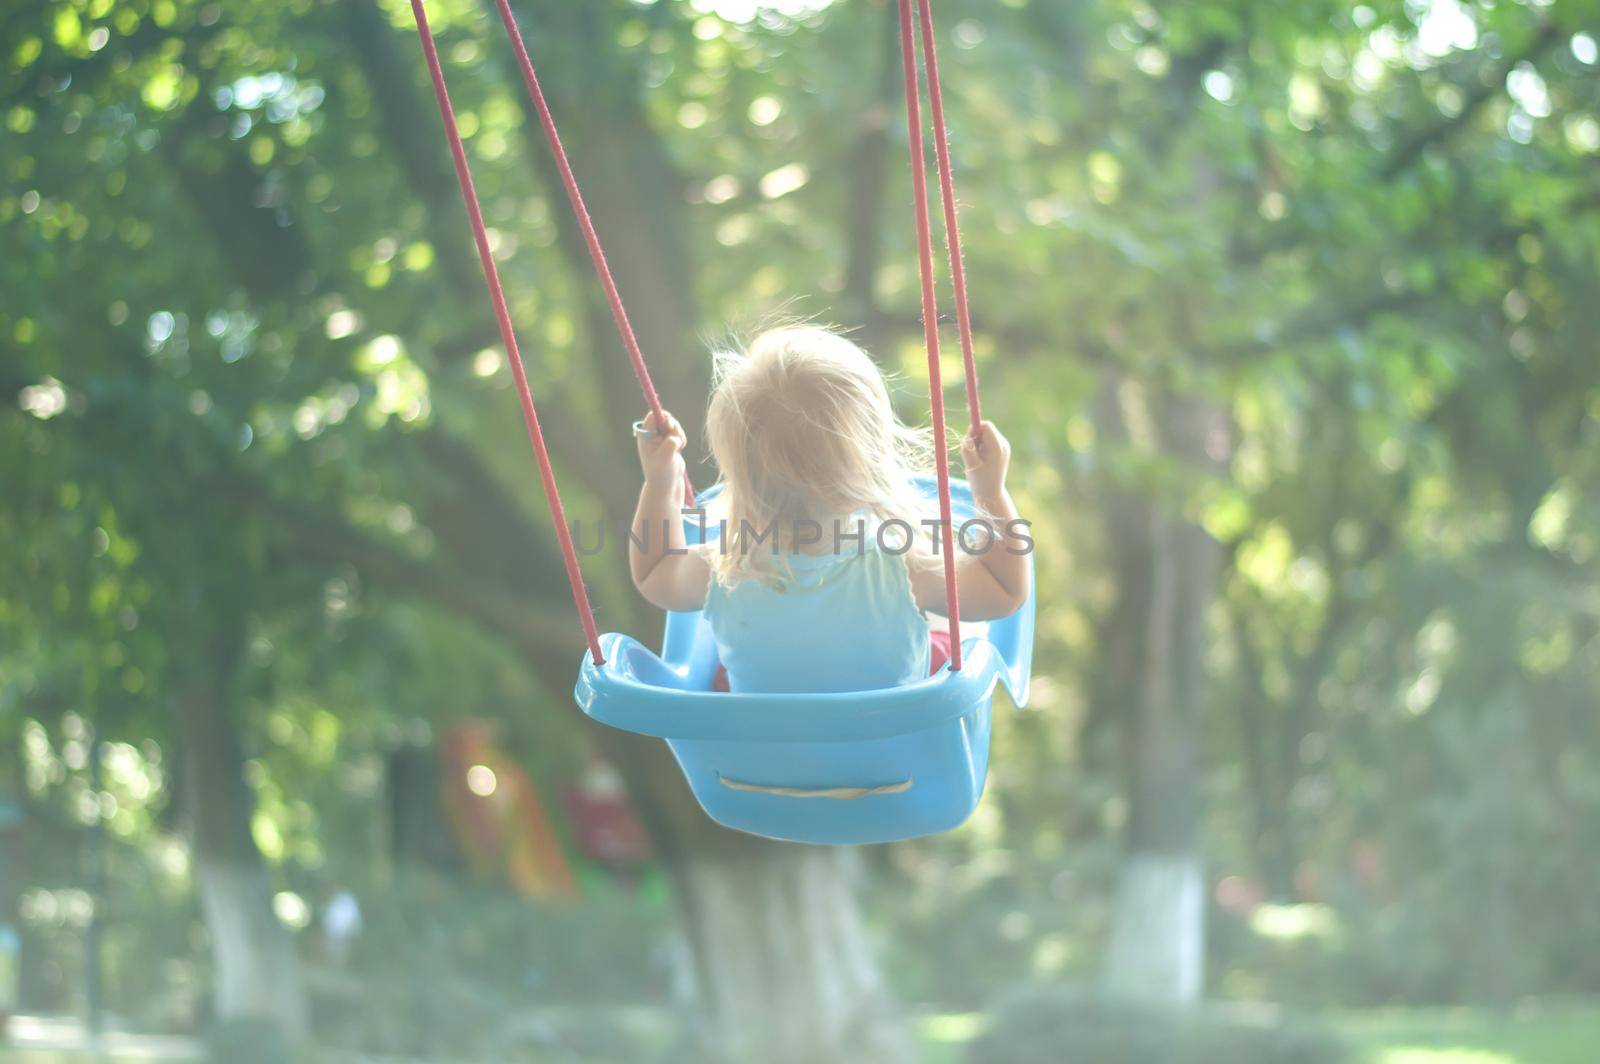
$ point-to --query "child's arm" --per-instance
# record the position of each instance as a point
(993, 584)
(664, 571)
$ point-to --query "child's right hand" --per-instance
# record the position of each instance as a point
(987, 455)
(661, 454)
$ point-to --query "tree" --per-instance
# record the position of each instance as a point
(1285, 307)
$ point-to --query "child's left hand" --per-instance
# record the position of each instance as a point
(661, 453)
(987, 455)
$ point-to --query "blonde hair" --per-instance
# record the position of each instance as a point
(802, 429)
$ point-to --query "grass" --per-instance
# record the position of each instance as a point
(1532, 1035)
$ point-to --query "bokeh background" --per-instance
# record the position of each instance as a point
(1290, 310)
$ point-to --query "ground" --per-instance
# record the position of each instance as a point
(1545, 1034)
(1532, 1035)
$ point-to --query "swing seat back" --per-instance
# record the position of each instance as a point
(858, 767)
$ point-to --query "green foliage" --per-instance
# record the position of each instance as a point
(446, 972)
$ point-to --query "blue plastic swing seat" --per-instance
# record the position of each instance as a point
(868, 766)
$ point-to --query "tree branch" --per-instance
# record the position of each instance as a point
(1410, 149)
(864, 213)
(408, 125)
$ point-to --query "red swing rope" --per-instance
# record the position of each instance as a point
(491, 277)
(619, 312)
(930, 317)
(580, 212)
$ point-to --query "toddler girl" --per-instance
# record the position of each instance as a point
(828, 557)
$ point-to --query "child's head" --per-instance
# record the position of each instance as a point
(802, 429)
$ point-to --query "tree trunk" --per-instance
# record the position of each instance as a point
(1168, 565)
(1158, 928)
(257, 971)
(782, 963)
(783, 968)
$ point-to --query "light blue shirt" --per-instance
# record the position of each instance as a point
(843, 622)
